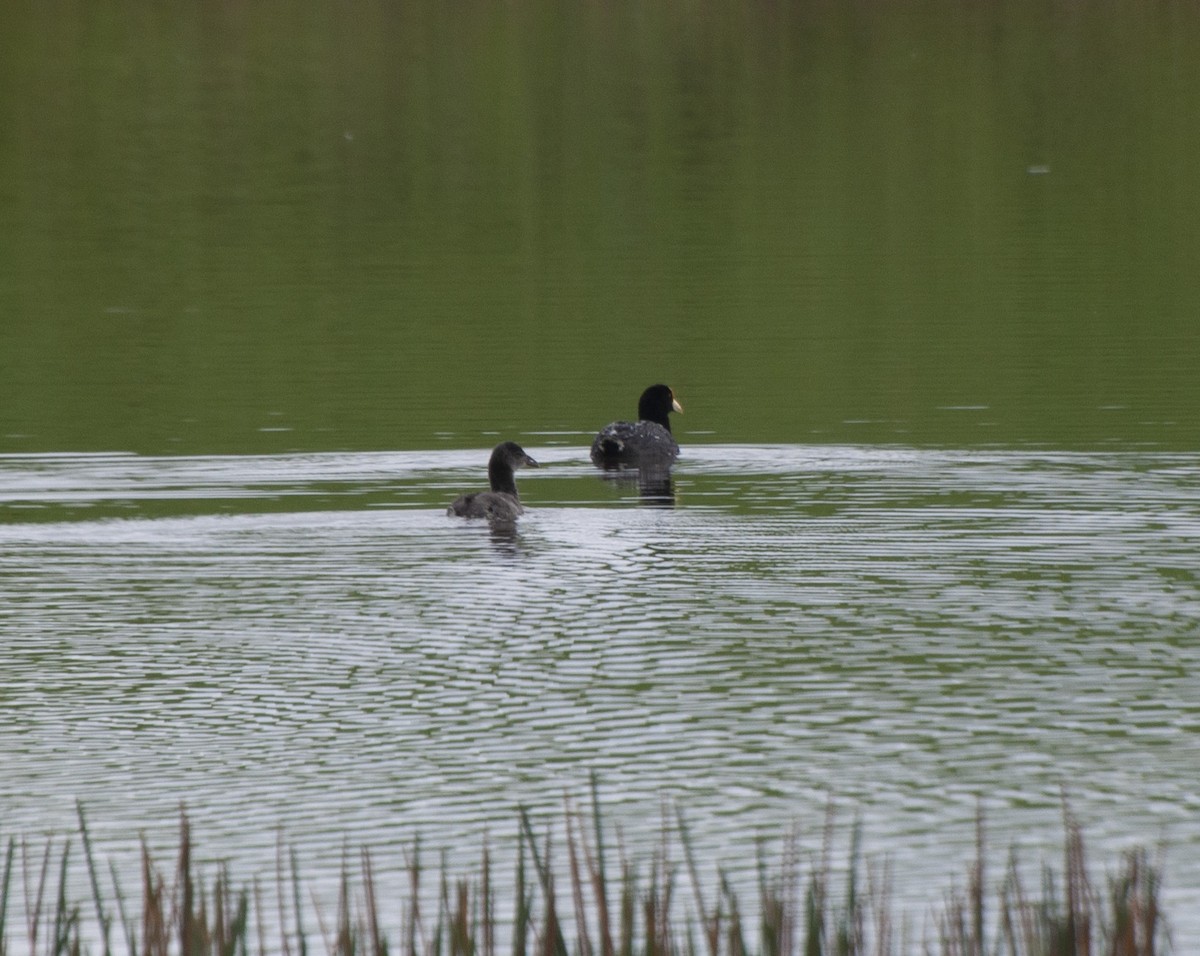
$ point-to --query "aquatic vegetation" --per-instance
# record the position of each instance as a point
(577, 906)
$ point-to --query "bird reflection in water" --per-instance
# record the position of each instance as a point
(655, 486)
(505, 537)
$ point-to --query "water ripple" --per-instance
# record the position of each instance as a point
(310, 641)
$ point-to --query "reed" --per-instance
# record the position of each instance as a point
(595, 905)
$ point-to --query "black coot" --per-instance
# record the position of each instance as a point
(647, 442)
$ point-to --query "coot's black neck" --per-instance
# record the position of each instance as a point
(650, 410)
(500, 475)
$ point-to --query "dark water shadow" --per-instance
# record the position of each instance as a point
(655, 486)
(505, 536)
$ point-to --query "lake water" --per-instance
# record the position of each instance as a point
(310, 642)
(275, 277)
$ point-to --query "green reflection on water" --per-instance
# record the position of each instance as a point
(311, 227)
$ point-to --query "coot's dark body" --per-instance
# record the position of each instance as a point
(647, 442)
(501, 503)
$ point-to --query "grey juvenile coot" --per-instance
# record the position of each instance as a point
(647, 441)
(502, 502)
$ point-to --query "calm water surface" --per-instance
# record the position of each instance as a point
(308, 642)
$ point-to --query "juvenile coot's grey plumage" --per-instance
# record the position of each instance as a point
(502, 502)
(647, 441)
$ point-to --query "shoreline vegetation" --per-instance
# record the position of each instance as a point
(572, 895)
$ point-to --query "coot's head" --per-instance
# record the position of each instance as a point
(656, 403)
(513, 455)
(507, 457)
